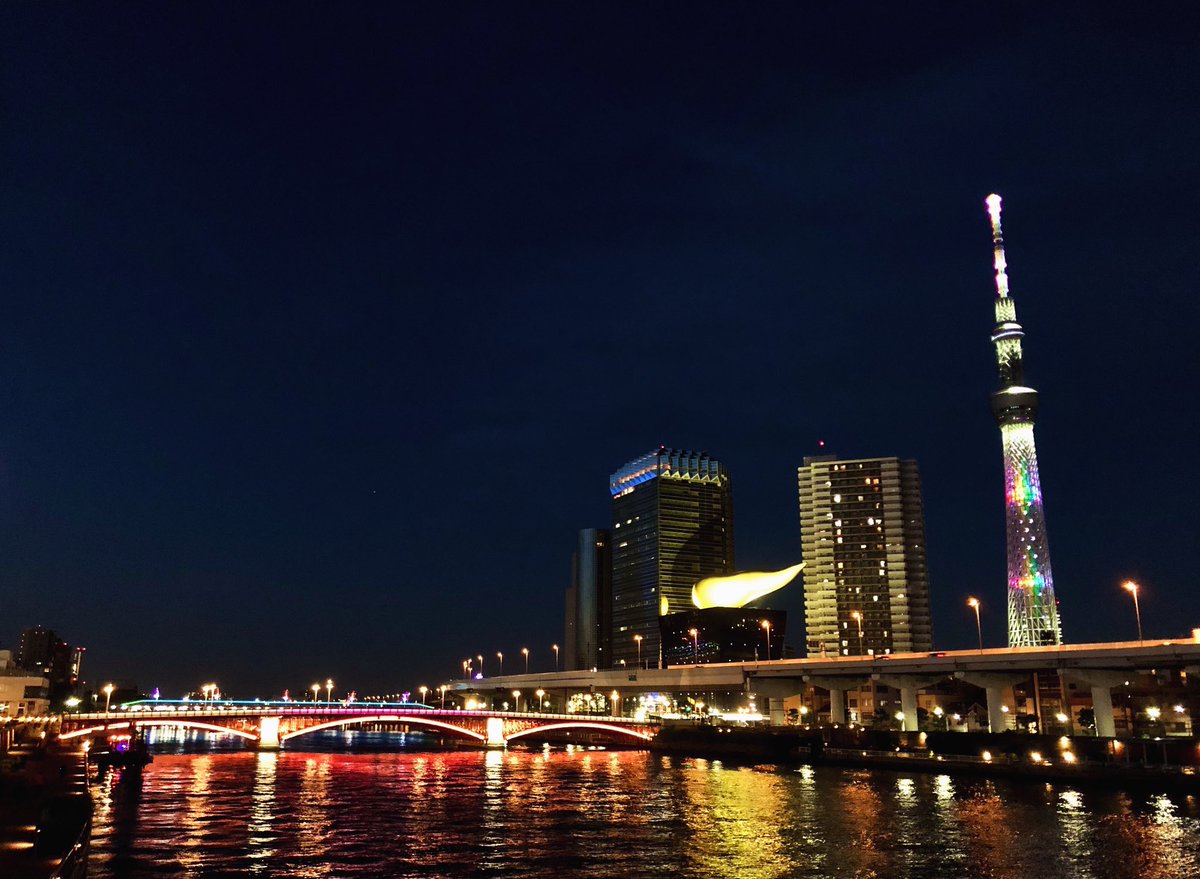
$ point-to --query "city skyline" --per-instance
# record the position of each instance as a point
(317, 368)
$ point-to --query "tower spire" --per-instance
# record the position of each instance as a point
(1032, 609)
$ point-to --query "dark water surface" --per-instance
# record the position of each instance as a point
(615, 814)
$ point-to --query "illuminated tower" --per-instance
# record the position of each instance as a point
(1032, 611)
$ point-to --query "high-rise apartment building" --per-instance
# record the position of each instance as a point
(672, 527)
(1032, 608)
(862, 536)
(587, 641)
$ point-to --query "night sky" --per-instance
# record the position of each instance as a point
(323, 325)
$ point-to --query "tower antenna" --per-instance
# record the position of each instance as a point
(993, 206)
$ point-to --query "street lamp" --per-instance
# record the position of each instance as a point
(616, 700)
(517, 699)
(554, 647)
(638, 639)
(540, 694)
(1132, 588)
(857, 617)
(695, 645)
(480, 658)
(422, 690)
(329, 689)
(766, 624)
(316, 688)
(466, 668)
(973, 603)
(525, 650)
(108, 690)
(500, 656)
(443, 689)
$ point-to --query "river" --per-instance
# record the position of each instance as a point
(331, 813)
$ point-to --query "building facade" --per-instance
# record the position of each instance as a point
(587, 641)
(1032, 607)
(862, 536)
(672, 527)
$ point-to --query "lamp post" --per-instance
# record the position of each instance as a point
(500, 656)
(766, 624)
(525, 650)
(316, 688)
(480, 658)
(1132, 588)
(616, 700)
(329, 689)
(517, 699)
(973, 603)
(540, 694)
(443, 689)
(108, 691)
(466, 668)
(422, 690)
(554, 647)
(638, 640)
(695, 645)
(857, 617)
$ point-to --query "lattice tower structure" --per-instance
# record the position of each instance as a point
(1033, 619)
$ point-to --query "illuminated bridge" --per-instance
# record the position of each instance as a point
(273, 724)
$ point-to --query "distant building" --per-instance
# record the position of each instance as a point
(672, 526)
(588, 637)
(21, 692)
(862, 535)
(42, 651)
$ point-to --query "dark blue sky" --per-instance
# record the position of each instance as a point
(323, 327)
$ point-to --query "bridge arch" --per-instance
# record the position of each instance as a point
(580, 724)
(383, 718)
(188, 724)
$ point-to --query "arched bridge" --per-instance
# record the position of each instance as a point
(272, 724)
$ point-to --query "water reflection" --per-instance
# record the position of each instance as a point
(595, 814)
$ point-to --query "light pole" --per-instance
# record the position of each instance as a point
(540, 694)
(316, 688)
(517, 699)
(329, 689)
(108, 690)
(443, 689)
(766, 624)
(466, 668)
(525, 651)
(1132, 588)
(480, 658)
(554, 647)
(695, 645)
(973, 603)
(500, 656)
(857, 617)
(638, 639)
(616, 700)
(422, 690)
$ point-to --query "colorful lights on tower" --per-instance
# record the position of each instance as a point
(1032, 609)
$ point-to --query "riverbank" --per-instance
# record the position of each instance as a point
(45, 813)
(1010, 755)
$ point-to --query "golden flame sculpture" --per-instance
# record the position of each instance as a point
(738, 590)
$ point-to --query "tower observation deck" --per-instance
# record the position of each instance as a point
(1032, 609)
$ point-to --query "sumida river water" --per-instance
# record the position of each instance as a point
(335, 813)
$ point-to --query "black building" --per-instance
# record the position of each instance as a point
(722, 634)
(588, 638)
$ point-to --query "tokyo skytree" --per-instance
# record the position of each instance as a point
(1032, 610)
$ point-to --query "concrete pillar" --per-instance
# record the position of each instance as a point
(268, 733)
(777, 712)
(837, 706)
(1102, 709)
(995, 709)
(908, 705)
(495, 733)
